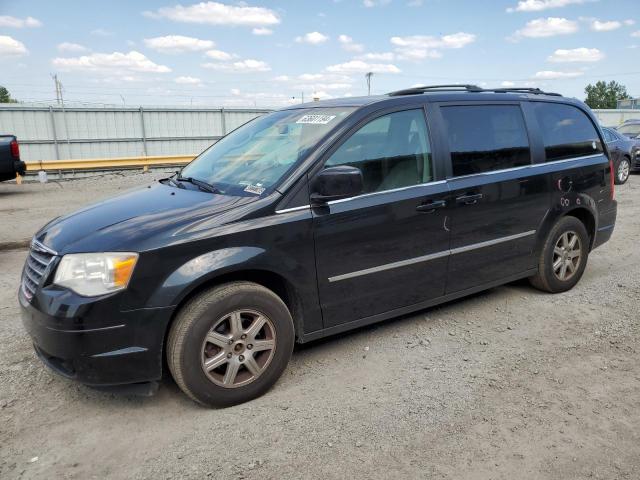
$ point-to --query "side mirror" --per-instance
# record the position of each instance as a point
(335, 183)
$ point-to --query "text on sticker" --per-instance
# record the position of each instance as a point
(316, 119)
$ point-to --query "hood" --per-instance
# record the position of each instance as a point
(134, 221)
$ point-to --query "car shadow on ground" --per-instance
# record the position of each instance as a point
(167, 391)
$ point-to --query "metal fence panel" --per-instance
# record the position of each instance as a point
(56, 133)
(613, 118)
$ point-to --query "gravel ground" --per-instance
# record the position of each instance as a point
(509, 383)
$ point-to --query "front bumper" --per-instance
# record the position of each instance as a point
(92, 341)
(635, 161)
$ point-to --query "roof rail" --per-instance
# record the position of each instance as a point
(469, 88)
(534, 91)
(442, 88)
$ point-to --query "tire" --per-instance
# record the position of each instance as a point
(623, 168)
(217, 373)
(552, 280)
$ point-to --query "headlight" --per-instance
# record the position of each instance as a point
(93, 274)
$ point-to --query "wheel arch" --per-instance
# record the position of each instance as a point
(271, 280)
(582, 213)
(588, 219)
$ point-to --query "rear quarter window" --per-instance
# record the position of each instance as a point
(567, 132)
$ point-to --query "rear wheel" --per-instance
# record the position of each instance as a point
(230, 344)
(563, 257)
(623, 170)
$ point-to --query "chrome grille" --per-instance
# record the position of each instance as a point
(35, 267)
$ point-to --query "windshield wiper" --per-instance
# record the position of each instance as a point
(171, 181)
(202, 185)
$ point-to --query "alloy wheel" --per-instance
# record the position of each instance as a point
(238, 348)
(567, 255)
(623, 170)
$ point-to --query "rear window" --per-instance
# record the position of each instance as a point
(567, 132)
(484, 138)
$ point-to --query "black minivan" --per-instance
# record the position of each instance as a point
(313, 220)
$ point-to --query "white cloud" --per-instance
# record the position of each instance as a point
(219, 55)
(10, 47)
(13, 22)
(281, 78)
(242, 66)
(606, 26)
(174, 44)
(214, 13)
(539, 5)
(72, 47)
(313, 38)
(375, 3)
(359, 66)
(419, 47)
(261, 31)
(186, 80)
(629, 22)
(456, 40)
(576, 55)
(547, 27)
(117, 63)
(415, 3)
(349, 45)
(636, 34)
(378, 56)
(552, 75)
(507, 84)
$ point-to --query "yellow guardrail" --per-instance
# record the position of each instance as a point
(107, 163)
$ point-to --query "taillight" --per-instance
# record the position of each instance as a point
(612, 180)
(15, 149)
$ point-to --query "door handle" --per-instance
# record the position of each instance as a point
(469, 199)
(431, 206)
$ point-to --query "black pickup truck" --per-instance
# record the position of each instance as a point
(10, 164)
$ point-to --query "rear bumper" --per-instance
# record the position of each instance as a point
(126, 350)
(20, 167)
(606, 224)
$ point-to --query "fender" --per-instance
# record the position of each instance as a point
(200, 270)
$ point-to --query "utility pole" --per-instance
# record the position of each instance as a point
(58, 86)
(368, 76)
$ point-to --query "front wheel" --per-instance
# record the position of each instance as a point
(563, 257)
(622, 172)
(230, 344)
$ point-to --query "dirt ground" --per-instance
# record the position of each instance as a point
(511, 383)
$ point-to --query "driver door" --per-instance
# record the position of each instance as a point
(387, 248)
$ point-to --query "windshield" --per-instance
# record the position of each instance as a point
(632, 130)
(253, 158)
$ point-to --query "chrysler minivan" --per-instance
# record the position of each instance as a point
(314, 220)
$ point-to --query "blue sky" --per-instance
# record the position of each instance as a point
(264, 52)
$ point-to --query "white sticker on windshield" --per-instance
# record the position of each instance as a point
(316, 119)
(254, 189)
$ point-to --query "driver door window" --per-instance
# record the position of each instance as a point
(392, 151)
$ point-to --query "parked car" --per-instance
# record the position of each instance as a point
(10, 164)
(314, 220)
(630, 129)
(625, 154)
